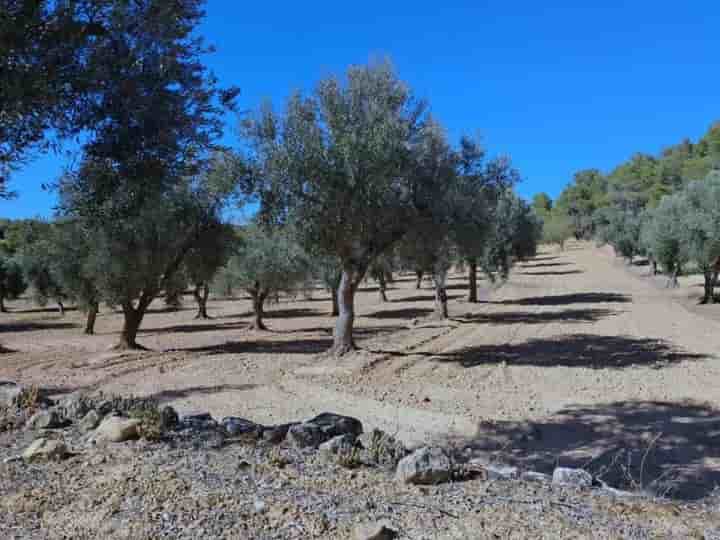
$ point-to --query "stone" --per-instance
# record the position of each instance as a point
(374, 531)
(243, 429)
(501, 472)
(118, 429)
(90, 421)
(427, 465)
(169, 418)
(306, 435)
(277, 434)
(10, 393)
(711, 534)
(44, 449)
(565, 476)
(259, 506)
(534, 476)
(322, 428)
(198, 421)
(45, 419)
(338, 444)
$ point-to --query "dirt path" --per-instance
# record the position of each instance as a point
(574, 359)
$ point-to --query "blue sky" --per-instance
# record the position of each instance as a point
(559, 86)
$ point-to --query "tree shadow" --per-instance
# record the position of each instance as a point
(191, 328)
(295, 346)
(532, 317)
(178, 393)
(407, 313)
(578, 350)
(31, 326)
(564, 299)
(553, 273)
(670, 449)
(544, 265)
(290, 313)
(545, 258)
(427, 298)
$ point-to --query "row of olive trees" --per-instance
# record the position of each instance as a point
(683, 229)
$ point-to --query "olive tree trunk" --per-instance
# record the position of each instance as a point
(92, 313)
(710, 280)
(258, 295)
(133, 317)
(382, 287)
(472, 279)
(61, 308)
(201, 294)
(343, 341)
(335, 307)
(441, 309)
(2, 304)
(418, 276)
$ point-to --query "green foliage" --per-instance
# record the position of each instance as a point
(557, 229)
(12, 281)
(621, 229)
(662, 233)
(542, 205)
(701, 222)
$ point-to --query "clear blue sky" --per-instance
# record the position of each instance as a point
(559, 86)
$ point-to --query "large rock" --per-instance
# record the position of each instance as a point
(374, 531)
(198, 421)
(169, 418)
(118, 429)
(322, 428)
(74, 407)
(10, 393)
(427, 465)
(339, 444)
(45, 450)
(565, 476)
(45, 419)
(243, 429)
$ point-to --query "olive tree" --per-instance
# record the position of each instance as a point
(152, 124)
(338, 163)
(662, 236)
(701, 229)
(266, 262)
(12, 280)
(557, 229)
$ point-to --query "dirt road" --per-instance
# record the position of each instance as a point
(576, 359)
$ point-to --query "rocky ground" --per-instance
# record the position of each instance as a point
(124, 468)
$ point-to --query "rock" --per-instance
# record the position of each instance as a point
(338, 444)
(45, 419)
(566, 476)
(711, 534)
(118, 429)
(382, 448)
(45, 450)
(427, 465)
(501, 472)
(169, 418)
(322, 428)
(259, 506)
(10, 393)
(90, 421)
(277, 434)
(243, 429)
(306, 435)
(198, 421)
(534, 476)
(374, 531)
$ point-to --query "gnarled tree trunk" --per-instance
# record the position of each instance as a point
(258, 295)
(441, 309)
(92, 313)
(201, 294)
(710, 279)
(472, 279)
(335, 307)
(2, 303)
(131, 324)
(418, 276)
(61, 308)
(343, 341)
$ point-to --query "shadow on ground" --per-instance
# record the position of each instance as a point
(564, 299)
(177, 393)
(552, 273)
(577, 350)
(669, 449)
(405, 313)
(31, 326)
(534, 317)
(544, 265)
